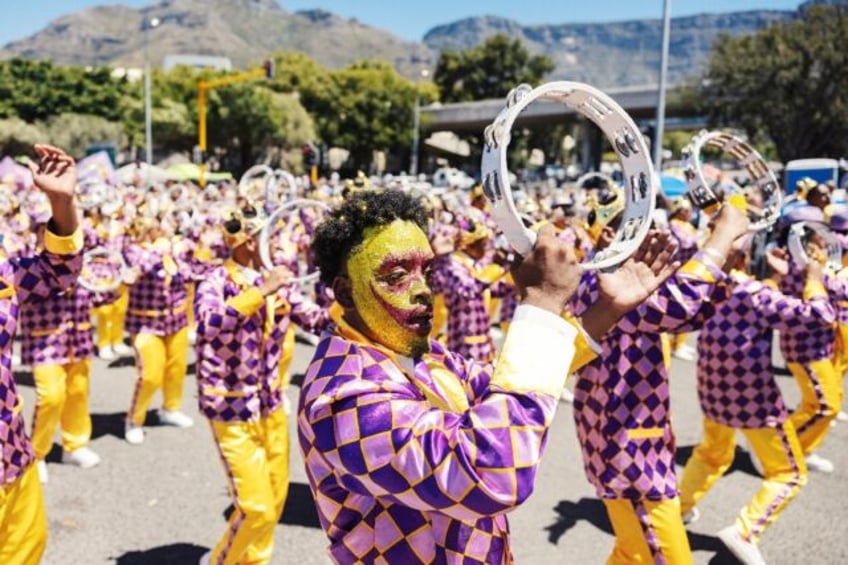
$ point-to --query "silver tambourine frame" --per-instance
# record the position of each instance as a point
(253, 172)
(118, 260)
(699, 189)
(833, 248)
(268, 230)
(640, 184)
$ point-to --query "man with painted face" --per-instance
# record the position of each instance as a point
(415, 454)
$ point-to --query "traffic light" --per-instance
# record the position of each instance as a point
(308, 156)
(269, 68)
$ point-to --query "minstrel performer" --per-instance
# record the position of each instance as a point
(414, 454)
(23, 522)
(242, 318)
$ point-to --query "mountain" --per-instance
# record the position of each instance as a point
(602, 54)
(615, 53)
(244, 30)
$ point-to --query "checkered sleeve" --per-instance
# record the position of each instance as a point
(682, 303)
(780, 311)
(54, 269)
(215, 314)
(383, 439)
(305, 313)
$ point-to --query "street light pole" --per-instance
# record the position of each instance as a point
(148, 127)
(658, 135)
(416, 127)
(413, 167)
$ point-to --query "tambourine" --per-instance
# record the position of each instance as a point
(703, 196)
(641, 181)
(271, 230)
(103, 270)
(282, 176)
(796, 243)
(257, 184)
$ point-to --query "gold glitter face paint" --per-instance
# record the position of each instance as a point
(388, 273)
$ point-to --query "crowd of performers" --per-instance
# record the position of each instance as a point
(418, 432)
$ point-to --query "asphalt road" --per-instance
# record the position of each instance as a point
(165, 502)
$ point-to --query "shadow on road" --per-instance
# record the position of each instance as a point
(113, 424)
(173, 554)
(569, 513)
(299, 509)
(741, 460)
(593, 511)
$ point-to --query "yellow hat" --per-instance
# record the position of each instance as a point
(473, 230)
(804, 186)
(602, 213)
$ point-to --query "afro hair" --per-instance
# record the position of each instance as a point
(343, 230)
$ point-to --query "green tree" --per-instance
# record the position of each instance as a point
(75, 132)
(363, 108)
(490, 70)
(17, 137)
(788, 81)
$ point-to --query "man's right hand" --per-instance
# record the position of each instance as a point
(549, 275)
(274, 279)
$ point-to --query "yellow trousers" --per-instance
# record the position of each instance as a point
(255, 456)
(648, 532)
(161, 363)
(840, 353)
(61, 397)
(110, 320)
(190, 290)
(821, 399)
(23, 520)
(784, 472)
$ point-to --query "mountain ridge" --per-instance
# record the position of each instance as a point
(605, 54)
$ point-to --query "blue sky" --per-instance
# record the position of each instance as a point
(411, 19)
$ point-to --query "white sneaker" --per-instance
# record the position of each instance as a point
(43, 476)
(692, 516)
(192, 336)
(819, 463)
(83, 458)
(206, 558)
(107, 353)
(122, 349)
(567, 396)
(175, 418)
(134, 434)
(746, 552)
(16, 360)
(685, 353)
(842, 416)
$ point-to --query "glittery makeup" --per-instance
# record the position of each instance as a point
(388, 273)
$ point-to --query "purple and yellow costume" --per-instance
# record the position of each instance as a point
(621, 412)
(738, 390)
(22, 514)
(418, 460)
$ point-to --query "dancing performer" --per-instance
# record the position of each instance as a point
(468, 283)
(157, 320)
(23, 522)
(415, 454)
(738, 390)
(58, 345)
(809, 357)
(242, 318)
(621, 399)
